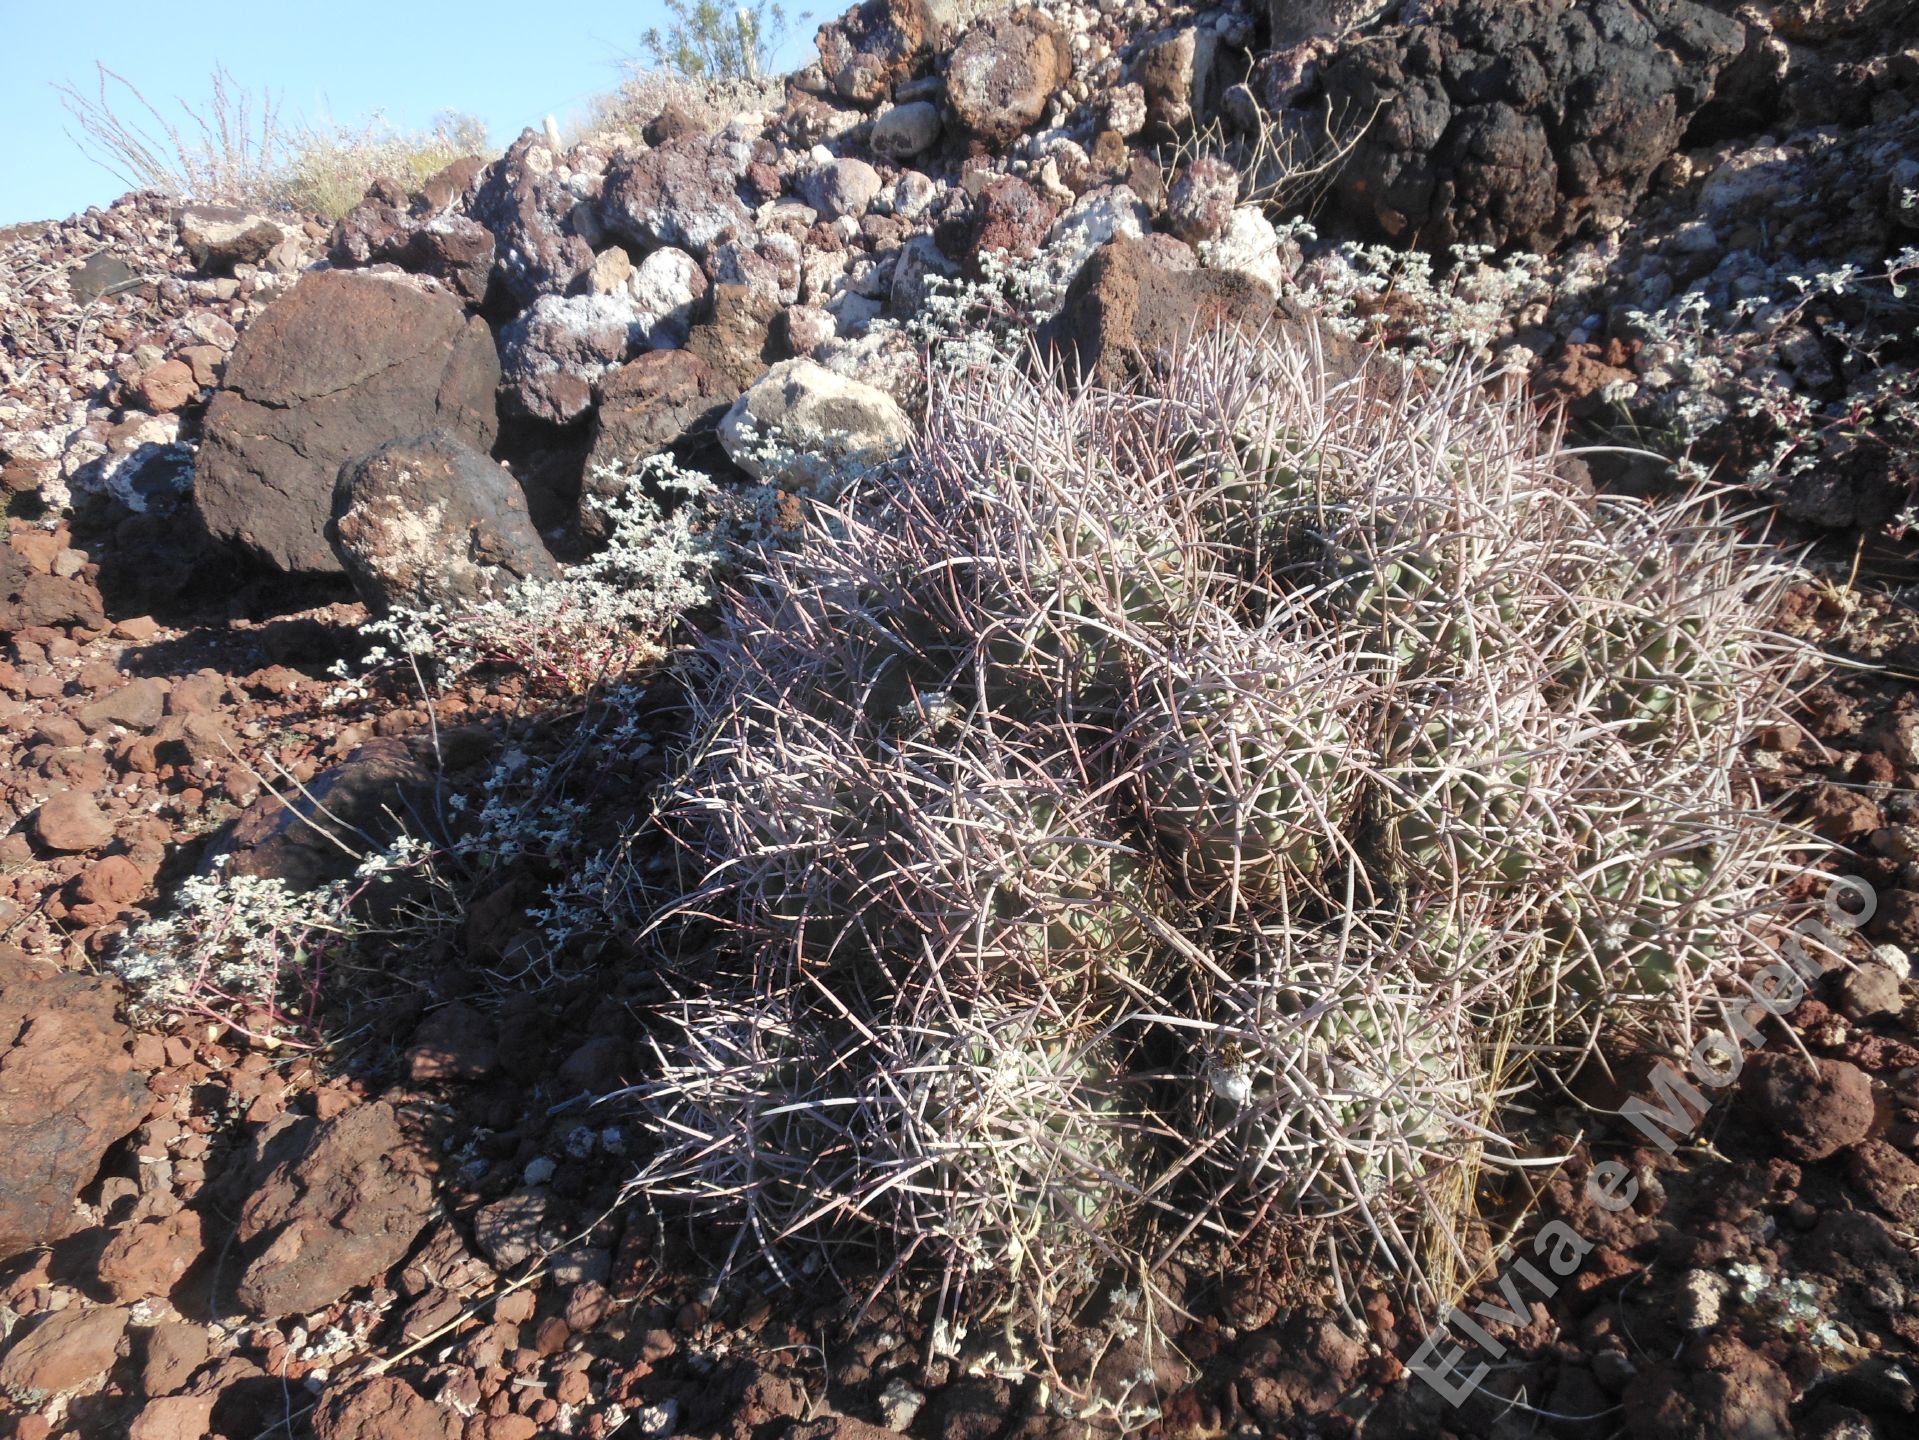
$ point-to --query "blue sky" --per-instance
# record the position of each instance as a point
(508, 64)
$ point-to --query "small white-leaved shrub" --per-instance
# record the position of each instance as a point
(257, 954)
(1429, 315)
(598, 620)
(1703, 371)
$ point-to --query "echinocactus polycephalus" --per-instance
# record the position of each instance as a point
(1005, 1133)
(1293, 715)
(1247, 768)
(1336, 1081)
(737, 1108)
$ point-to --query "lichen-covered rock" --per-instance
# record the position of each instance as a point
(1178, 73)
(682, 193)
(666, 288)
(1008, 215)
(1250, 245)
(529, 212)
(768, 265)
(340, 364)
(1200, 202)
(1004, 72)
(1522, 122)
(553, 351)
(428, 520)
(218, 237)
(871, 48)
(800, 426)
(1295, 21)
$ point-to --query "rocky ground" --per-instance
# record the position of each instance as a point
(412, 1229)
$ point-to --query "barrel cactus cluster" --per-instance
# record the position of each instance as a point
(1194, 808)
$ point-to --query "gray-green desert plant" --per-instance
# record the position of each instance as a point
(1203, 805)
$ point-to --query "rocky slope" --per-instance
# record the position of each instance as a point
(414, 1232)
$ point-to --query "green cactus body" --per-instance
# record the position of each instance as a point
(1319, 1078)
(1070, 903)
(1646, 916)
(1664, 665)
(1030, 1126)
(1454, 814)
(1246, 779)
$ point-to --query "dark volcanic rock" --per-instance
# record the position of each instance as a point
(646, 406)
(429, 520)
(683, 193)
(281, 840)
(336, 1204)
(529, 212)
(1522, 122)
(340, 365)
(68, 1090)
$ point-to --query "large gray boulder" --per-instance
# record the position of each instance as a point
(335, 368)
(429, 520)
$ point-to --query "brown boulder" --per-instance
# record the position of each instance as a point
(71, 824)
(336, 1205)
(72, 1349)
(146, 1260)
(279, 840)
(871, 48)
(174, 1417)
(385, 1408)
(646, 406)
(338, 366)
(1126, 307)
(28, 599)
(1813, 1109)
(1004, 72)
(68, 1090)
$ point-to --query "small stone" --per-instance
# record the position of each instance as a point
(906, 130)
(1870, 990)
(610, 271)
(71, 824)
(508, 1230)
(842, 187)
(137, 705)
(166, 387)
(657, 1422)
(1696, 1305)
(899, 1405)
(112, 883)
(1894, 959)
(174, 1417)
